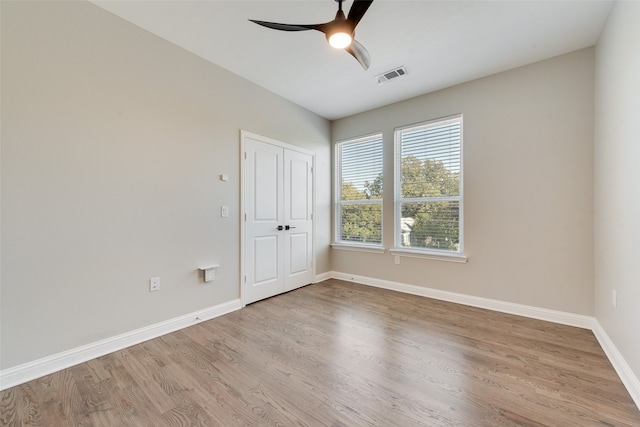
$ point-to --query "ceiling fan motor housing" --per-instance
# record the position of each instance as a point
(340, 26)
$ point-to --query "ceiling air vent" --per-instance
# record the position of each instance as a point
(390, 75)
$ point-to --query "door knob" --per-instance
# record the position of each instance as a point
(288, 227)
(280, 228)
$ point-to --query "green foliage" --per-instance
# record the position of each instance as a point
(350, 192)
(361, 222)
(435, 223)
(373, 190)
(427, 178)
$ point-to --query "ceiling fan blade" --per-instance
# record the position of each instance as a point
(285, 27)
(360, 53)
(358, 9)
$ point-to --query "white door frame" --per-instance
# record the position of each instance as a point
(244, 134)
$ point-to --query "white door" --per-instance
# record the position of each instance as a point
(298, 222)
(263, 241)
(278, 223)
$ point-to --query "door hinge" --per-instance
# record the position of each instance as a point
(245, 155)
(245, 217)
(245, 278)
(311, 169)
(311, 216)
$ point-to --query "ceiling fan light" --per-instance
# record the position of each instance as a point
(340, 40)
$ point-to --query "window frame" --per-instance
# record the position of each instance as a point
(338, 243)
(416, 252)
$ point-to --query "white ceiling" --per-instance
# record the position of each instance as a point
(441, 43)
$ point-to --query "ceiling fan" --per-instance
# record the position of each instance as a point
(339, 32)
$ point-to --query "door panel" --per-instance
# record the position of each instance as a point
(299, 188)
(299, 253)
(298, 202)
(267, 183)
(263, 242)
(265, 259)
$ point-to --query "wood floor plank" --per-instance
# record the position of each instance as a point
(340, 354)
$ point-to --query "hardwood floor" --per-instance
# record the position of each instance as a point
(340, 354)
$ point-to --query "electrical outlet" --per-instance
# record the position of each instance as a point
(154, 284)
(614, 298)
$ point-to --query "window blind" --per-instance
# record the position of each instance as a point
(359, 196)
(429, 185)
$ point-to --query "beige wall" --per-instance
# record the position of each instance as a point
(112, 143)
(528, 186)
(617, 178)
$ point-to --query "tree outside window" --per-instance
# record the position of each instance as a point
(429, 186)
(359, 200)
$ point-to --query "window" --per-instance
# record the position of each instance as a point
(359, 191)
(428, 186)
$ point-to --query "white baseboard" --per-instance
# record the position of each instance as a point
(629, 379)
(570, 319)
(323, 276)
(31, 370)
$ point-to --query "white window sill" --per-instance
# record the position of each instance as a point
(440, 256)
(358, 248)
